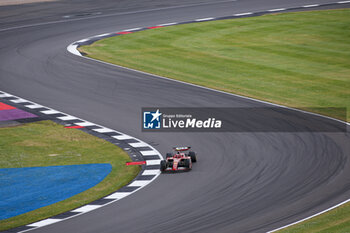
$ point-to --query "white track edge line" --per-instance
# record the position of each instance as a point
(131, 29)
(167, 24)
(312, 216)
(204, 19)
(73, 49)
(313, 5)
(277, 9)
(243, 14)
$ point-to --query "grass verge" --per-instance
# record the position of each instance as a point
(298, 59)
(46, 143)
(335, 221)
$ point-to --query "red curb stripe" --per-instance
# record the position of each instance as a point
(74, 127)
(135, 163)
(155, 27)
(6, 107)
(122, 33)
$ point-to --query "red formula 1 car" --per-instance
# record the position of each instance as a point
(178, 160)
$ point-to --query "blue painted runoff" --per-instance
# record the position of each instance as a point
(26, 189)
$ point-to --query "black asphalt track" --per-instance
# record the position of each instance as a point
(243, 182)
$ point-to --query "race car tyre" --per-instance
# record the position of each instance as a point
(186, 163)
(162, 165)
(168, 155)
(193, 156)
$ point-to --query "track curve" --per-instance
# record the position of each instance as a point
(243, 182)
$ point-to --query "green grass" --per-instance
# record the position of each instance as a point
(46, 143)
(299, 59)
(335, 221)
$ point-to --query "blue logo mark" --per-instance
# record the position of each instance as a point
(152, 120)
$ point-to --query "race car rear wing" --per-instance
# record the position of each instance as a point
(184, 148)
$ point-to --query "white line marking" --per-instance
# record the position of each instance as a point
(204, 19)
(153, 162)
(19, 100)
(85, 123)
(118, 195)
(279, 9)
(33, 106)
(5, 95)
(138, 144)
(150, 172)
(131, 29)
(167, 24)
(86, 208)
(343, 2)
(49, 112)
(302, 220)
(140, 183)
(102, 35)
(44, 222)
(123, 137)
(104, 130)
(74, 49)
(242, 14)
(148, 152)
(67, 118)
(83, 40)
(314, 5)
